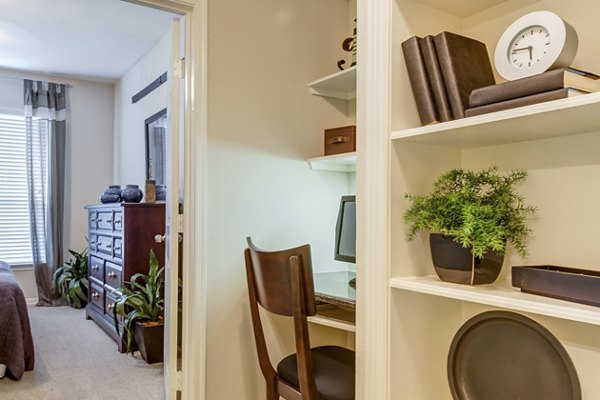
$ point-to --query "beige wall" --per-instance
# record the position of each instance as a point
(262, 124)
(89, 152)
(130, 140)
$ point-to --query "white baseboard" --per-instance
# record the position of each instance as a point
(32, 301)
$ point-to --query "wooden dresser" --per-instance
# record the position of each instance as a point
(120, 238)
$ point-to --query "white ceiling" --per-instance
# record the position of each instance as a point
(90, 39)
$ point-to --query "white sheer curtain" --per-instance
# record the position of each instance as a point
(45, 122)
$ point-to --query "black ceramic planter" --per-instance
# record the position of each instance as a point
(149, 340)
(454, 263)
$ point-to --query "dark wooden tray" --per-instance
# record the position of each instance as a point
(572, 284)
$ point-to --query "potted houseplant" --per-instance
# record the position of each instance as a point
(471, 217)
(71, 280)
(141, 304)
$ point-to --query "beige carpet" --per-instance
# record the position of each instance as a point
(76, 360)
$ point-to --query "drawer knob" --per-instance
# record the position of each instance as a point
(117, 248)
(117, 222)
(159, 238)
(109, 220)
(95, 268)
(99, 219)
(95, 295)
(111, 306)
(92, 219)
(108, 245)
(112, 275)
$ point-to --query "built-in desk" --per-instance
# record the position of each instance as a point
(336, 298)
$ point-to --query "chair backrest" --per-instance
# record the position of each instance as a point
(272, 275)
(282, 283)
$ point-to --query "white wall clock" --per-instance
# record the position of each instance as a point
(534, 43)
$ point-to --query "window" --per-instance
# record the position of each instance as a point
(15, 244)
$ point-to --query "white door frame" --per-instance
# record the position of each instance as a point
(193, 377)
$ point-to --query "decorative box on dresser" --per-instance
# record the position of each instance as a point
(120, 238)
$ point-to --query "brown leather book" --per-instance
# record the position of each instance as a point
(524, 101)
(550, 80)
(436, 81)
(417, 76)
(465, 66)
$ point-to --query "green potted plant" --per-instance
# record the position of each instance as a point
(471, 216)
(141, 304)
(71, 280)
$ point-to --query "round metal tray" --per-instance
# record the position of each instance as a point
(499, 355)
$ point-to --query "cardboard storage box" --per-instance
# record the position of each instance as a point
(340, 140)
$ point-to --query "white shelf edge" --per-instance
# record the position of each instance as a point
(340, 85)
(500, 294)
(344, 162)
(544, 120)
(332, 323)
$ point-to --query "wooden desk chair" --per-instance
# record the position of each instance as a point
(282, 283)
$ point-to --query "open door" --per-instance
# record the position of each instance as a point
(174, 210)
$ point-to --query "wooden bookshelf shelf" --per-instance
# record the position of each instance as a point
(345, 162)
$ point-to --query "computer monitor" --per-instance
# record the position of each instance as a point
(345, 230)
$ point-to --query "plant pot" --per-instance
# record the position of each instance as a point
(149, 339)
(456, 264)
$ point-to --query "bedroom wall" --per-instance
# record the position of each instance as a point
(129, 152)
(89, 152)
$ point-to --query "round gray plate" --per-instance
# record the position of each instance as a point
(499, 355)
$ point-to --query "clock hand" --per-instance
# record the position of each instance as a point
(521, 49)
(530, 48)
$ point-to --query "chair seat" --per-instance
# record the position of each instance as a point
(334, 372)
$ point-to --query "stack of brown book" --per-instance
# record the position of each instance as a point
(443, 70)
(547, 86)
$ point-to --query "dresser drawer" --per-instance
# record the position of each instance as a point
(110, 301)
(92, 243)
(113, 275)
(105, 220)
(97, 268)
(97, 295)
(104, 244)
(92, 220)
(118, 221)
(118, 253)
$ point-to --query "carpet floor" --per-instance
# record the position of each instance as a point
(76, 360)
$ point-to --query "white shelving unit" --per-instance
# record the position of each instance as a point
(340, 85)
(557, 118)
(344, 162)
(555, 142)
(501, 294)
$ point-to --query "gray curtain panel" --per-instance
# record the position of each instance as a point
(46, 126)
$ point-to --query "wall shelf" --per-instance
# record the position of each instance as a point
(500, 294)
(340, 85)
(563, 117)
(335, 317)
(344, 162)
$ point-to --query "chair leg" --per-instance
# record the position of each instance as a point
(272, 391)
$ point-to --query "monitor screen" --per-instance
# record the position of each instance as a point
(345, 230)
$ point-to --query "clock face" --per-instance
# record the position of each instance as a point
(534, 43)
(529, 46)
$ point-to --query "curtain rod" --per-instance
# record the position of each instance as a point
(14, 78)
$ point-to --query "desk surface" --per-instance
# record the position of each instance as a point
(333, 288)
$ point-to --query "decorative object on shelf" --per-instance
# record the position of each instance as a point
(571, 284)
(71, 280)
(132, 194)
(479, 210)
(524, 101)
(150, 191)
(340, 140)
(534, 43)
(349, 44)
(443, 70)
(111, 195)
(499, 355)
(142, 305)
(161, 192)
